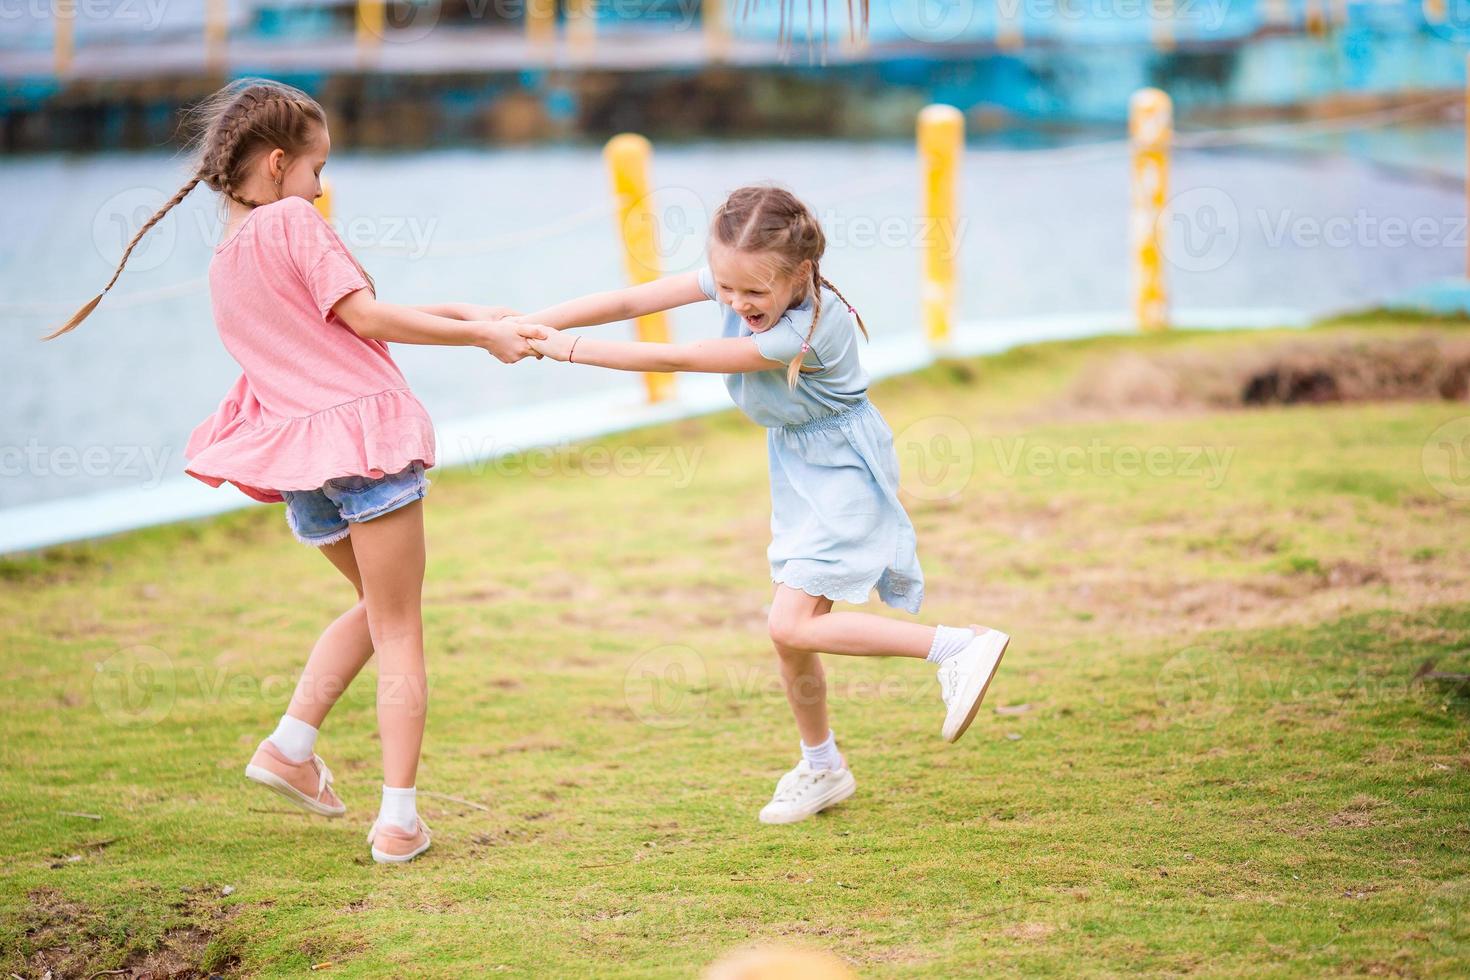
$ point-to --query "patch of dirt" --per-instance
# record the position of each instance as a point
(1427, 367)
(1029, 931)
(69, 939)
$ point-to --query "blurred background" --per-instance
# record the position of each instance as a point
(1316, 165)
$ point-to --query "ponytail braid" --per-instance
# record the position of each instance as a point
(239, 121)
(86, 310)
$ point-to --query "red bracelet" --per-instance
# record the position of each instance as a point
(573, 352)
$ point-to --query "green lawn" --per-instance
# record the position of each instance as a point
(1226, 767)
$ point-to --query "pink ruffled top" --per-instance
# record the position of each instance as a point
(315, 401)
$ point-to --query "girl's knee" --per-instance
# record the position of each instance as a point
(788, 633)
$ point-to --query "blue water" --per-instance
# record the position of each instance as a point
(1045, 233)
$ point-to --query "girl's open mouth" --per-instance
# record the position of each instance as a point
(754, 320)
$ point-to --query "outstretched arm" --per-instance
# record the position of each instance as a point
(727, 355)
(621, 304)
(374, 320)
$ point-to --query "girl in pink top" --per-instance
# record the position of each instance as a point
(322, 419)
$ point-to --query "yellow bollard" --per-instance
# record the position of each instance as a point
(216, 34)
(1008, 30)
(1151, 128)
(541, 22)
(371, 23)
(627, 157)
(323, 204)
(1161, 13)
(716, 29)
(941, 149)
(582, 26)
(1316, 20)
(64, 42)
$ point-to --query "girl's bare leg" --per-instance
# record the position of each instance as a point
(803, 622)
(390, 559)
(340, 652)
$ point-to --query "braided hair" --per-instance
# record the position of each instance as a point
(772, 220)
(236, 125)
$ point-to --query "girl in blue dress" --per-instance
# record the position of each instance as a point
(789, 354)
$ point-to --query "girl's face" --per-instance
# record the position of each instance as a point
(300, 175)
(751, 284)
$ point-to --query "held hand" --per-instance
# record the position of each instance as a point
(509, 342)
(554, 344)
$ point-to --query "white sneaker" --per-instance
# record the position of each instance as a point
(964, 678)
(804, 792)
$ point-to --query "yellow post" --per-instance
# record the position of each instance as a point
(716, 29)
(1162, 15)
(582, 25)
(941, 149)
(64, 41)
(627, 157)
(323, 204)
(1151, 128)
(541, 22)
(1008, 32)
(1316, 20)
(371, 23)
(216, 34)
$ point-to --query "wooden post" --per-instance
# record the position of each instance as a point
(1151, 128)
(541, 22)
(582, 25)
(64, 39)
(628, 156)
(941, 150)
(371, 20)
(216, 34)
(716, 29)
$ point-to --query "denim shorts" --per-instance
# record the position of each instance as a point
(320, 517)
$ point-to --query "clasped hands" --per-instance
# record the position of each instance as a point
(509, 336)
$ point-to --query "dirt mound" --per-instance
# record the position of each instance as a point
(1423, 367)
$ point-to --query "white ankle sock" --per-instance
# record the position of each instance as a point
(824, 756)
(295, 738)
(948, 641)
(400, 807)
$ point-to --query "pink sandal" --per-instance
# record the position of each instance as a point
(273, 770)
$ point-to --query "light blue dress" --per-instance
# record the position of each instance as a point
(837, 526)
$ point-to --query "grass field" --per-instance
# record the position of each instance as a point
(1207, 751)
